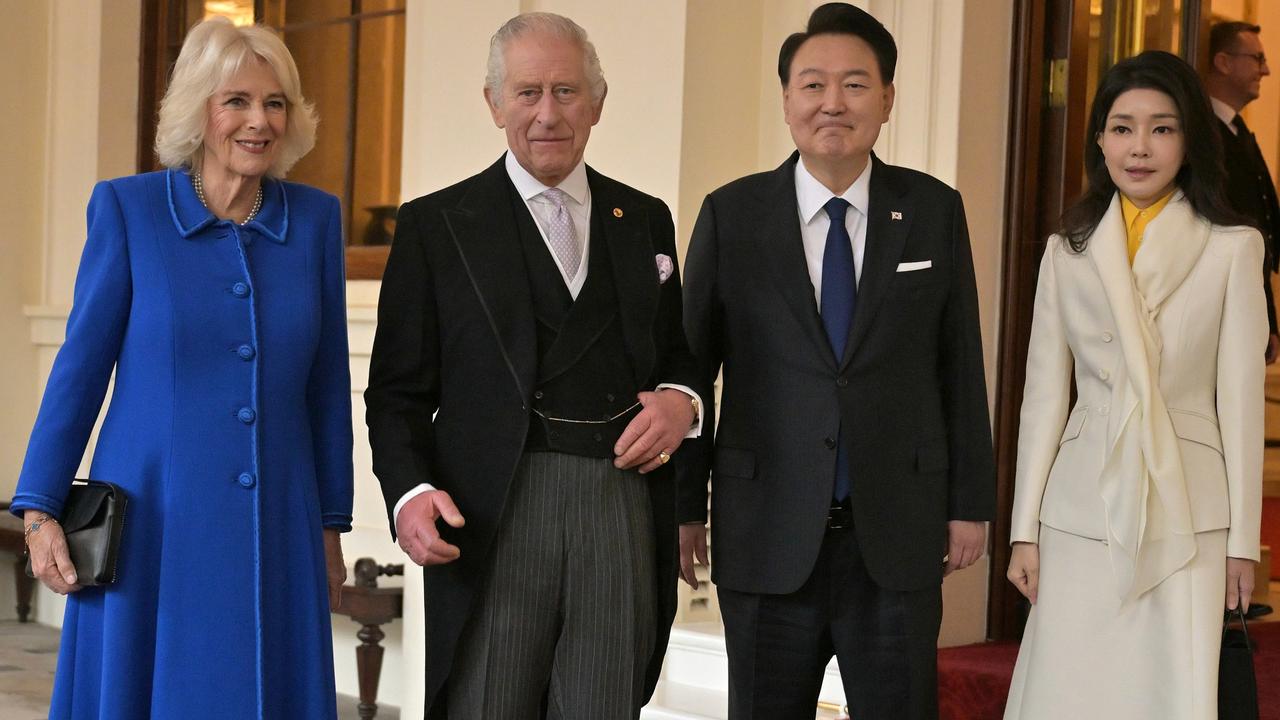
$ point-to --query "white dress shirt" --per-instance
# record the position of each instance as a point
(811, 196)
(1225, 113)
(579, 206)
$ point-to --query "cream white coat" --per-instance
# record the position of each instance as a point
(1190, 313)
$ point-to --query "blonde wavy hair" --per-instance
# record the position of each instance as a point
(214, 51)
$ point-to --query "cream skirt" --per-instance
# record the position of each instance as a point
(1083, 658)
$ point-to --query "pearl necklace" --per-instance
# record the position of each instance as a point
(197, 182)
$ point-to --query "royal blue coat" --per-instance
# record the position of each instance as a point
(229, 429)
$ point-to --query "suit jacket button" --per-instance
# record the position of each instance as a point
(246, 415)
(245, 352)
(1107, 337)
(537, 394)
(830, 443)
(240, 290)
(597, 437)
(842, 382)
(609, 397)
(246, 480)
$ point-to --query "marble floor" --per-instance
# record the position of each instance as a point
(28, 653)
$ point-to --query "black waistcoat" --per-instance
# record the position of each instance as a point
(584, 372)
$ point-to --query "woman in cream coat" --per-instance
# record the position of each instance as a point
(1137, 510)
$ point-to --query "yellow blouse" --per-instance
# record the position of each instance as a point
(1136, 219)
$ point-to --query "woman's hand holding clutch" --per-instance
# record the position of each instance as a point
(47, 545)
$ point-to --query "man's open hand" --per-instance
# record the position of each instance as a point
(416, 528)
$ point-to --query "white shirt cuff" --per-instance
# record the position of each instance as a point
(395, 513)
(696, 430)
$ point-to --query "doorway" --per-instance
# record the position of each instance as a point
(1060, 50)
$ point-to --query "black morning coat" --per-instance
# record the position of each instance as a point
(455, 362)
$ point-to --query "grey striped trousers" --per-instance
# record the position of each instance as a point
(567, 611)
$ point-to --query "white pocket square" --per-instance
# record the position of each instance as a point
(665, 267)
(912, 266)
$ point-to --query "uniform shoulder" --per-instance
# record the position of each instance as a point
(917, 181)
(745, 187)
(1233, 239)
(129, 185)
(306, 194)
(445, 197)
(619, 189)
(1235, 233)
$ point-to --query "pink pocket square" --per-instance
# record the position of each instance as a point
(665, 267)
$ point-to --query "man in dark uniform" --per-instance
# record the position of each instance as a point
(1236, 68)
(530, 373)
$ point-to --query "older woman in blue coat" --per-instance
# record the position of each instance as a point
(215, 291)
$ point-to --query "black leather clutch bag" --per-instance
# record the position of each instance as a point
(93, 520)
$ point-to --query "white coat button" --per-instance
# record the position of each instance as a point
(1104, 374)
(1104, 410)
(1106, 337)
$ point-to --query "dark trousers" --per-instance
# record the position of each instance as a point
(884, 640)
(566, 618)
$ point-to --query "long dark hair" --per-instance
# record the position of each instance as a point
(1201, 177)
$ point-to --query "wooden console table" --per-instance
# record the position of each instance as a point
(372, 607)
(11, 540)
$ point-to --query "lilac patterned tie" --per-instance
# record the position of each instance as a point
(561, 233)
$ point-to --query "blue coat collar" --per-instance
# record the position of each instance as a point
(190, 216)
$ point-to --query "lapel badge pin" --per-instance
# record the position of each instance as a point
(617, 212)
(895, 215)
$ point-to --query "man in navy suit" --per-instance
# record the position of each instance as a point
(852, 465)
(1237, 65)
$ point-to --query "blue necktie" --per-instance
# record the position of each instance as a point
(839, 296)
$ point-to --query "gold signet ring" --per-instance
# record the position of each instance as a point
(663, 457)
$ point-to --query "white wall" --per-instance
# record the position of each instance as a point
(23, 43)
(720, 117)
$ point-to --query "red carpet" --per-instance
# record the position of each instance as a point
(973, 680)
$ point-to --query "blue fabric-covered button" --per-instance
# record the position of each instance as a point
(246, 415)
(246, 480)
(245, 352)
(240, 290)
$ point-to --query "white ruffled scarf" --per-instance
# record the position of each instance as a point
(1149, 528)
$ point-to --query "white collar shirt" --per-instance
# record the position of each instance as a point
(541, 208)
(811, 196)
(1225, 113)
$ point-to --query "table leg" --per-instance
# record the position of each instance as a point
(24, 587)
(369, 669)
